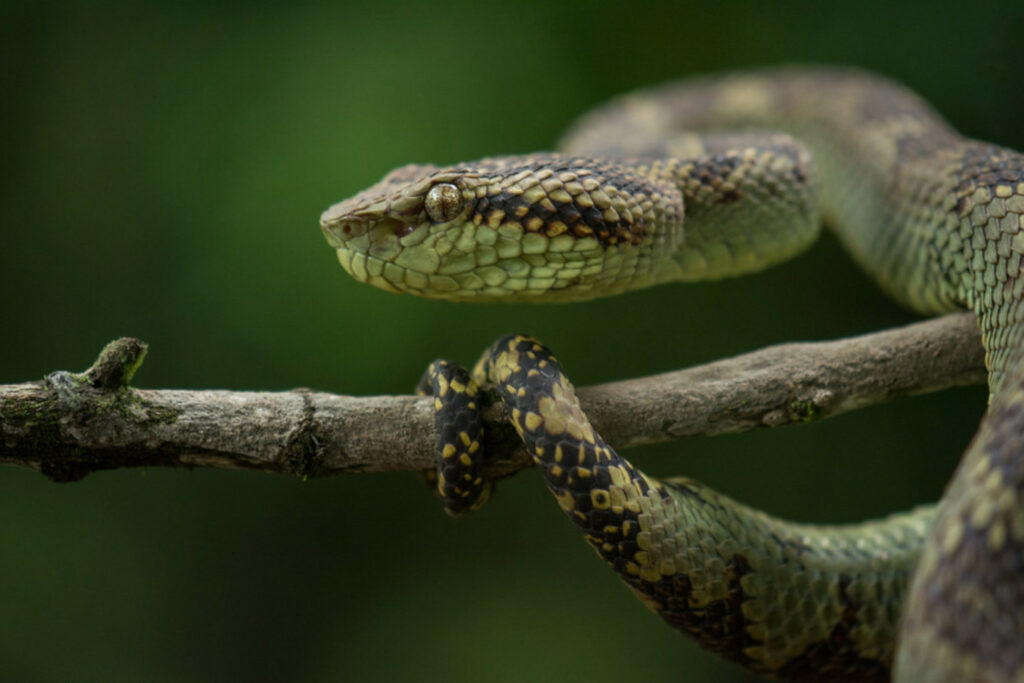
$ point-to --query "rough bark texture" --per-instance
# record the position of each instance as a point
(71, 424)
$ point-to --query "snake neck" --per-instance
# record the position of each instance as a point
(894, 174)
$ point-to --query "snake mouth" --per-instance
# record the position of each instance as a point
(370, 270)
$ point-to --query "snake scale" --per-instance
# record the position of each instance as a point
(675, 183)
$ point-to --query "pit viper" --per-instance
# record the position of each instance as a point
(713, 177)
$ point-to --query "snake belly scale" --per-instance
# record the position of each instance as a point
(671, 184)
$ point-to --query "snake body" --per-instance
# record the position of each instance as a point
(636, 198)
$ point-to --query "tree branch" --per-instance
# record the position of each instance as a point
(69, 425)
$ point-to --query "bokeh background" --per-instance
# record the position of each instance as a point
(163, 168)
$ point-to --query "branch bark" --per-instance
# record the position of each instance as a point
(69, 424)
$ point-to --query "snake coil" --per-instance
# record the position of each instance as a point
(670, 184)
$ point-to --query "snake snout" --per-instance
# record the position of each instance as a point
(338, 232)
(339, 224)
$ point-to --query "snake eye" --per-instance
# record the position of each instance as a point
(443, 202)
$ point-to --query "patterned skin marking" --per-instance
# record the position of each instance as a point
(738, 581)
(459, 477)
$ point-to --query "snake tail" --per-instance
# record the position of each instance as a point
(793, 600)
(459, 476)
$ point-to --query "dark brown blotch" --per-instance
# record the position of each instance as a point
(836, 658)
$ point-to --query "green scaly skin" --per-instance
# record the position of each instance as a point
(937, 220)
(798, 601)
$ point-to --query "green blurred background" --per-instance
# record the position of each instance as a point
(164, 166)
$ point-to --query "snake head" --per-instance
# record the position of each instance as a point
(505, 228)
(397, 225)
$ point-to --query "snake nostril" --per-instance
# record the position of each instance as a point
(346, 228)
(403, 229)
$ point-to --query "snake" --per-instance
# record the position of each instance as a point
(711, 177)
